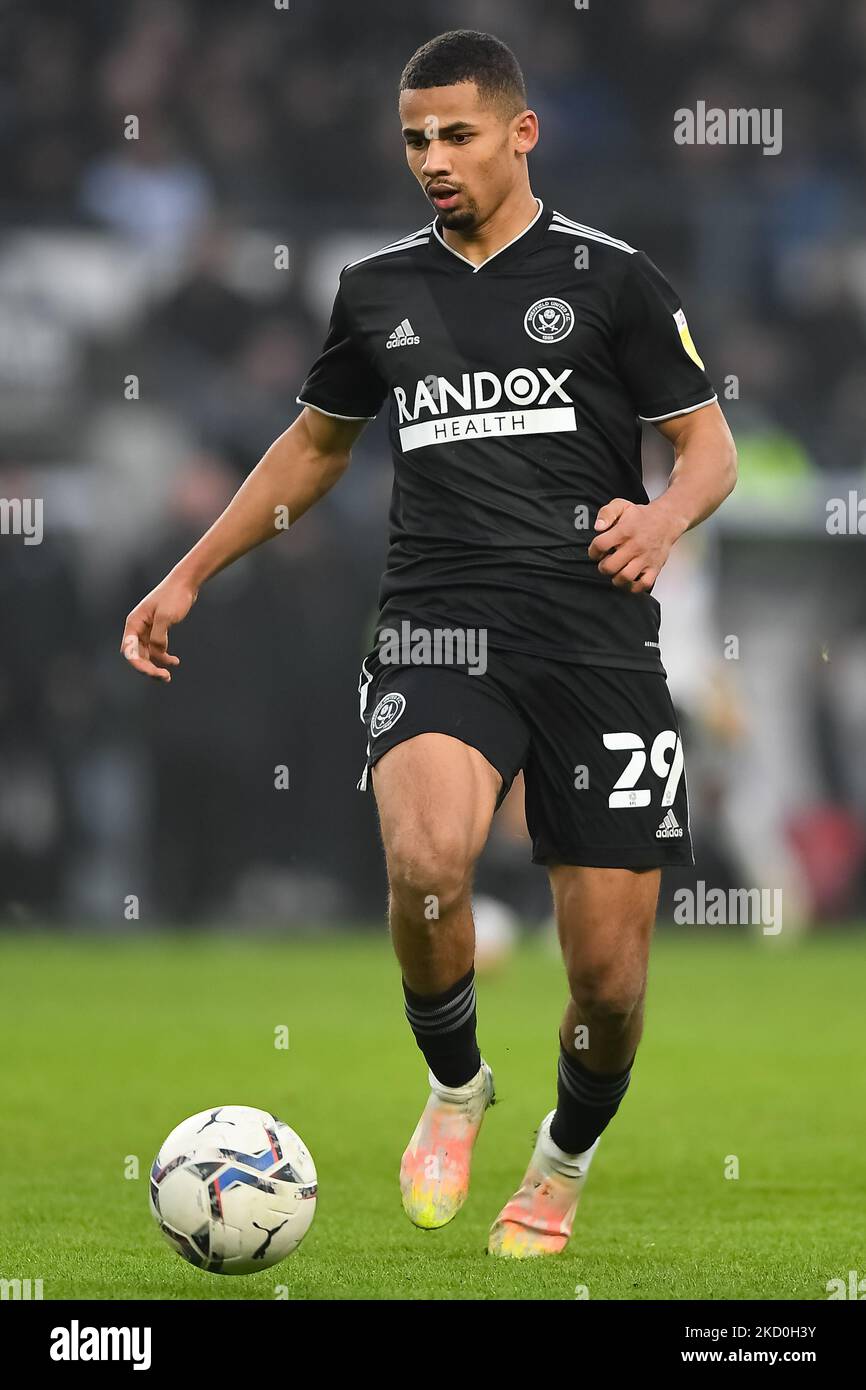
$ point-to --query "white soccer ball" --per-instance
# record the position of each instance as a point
(233, 1190)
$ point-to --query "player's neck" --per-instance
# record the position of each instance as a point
(512, 217)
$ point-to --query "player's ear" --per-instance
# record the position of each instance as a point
(525, 132)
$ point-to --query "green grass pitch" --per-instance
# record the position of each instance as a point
(753, 1048)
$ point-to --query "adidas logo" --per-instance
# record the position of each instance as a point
(670, 828)
(403, 335)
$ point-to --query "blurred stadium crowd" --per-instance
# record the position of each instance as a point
(150, 351)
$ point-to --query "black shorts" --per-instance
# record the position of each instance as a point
(600, 749)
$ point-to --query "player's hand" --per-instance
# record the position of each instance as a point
(633, 543)
(145, 636)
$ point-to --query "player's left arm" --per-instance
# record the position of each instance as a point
(634, 540)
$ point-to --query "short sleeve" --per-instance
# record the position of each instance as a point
(341, 381)
(653, 347)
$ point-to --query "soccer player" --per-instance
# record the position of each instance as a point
(519, 350)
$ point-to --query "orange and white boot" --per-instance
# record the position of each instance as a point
(434, 1172)
(539, 1218)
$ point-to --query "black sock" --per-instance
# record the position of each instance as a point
(586, 1102)
(444, 1028)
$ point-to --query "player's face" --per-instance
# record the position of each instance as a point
(463, 152)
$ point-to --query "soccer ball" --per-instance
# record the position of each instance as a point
(233, 1190)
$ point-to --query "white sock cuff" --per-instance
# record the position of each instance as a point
(575, 1164)
(469, 1088)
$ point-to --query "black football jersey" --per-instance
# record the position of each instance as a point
(516, 390)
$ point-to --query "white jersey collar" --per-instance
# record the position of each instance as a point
(459, 254)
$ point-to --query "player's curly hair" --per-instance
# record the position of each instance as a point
(466, 55)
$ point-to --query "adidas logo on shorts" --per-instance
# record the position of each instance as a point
(670, 828)
(403, 335)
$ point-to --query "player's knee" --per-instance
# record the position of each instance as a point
(428, 876)
(606, 995)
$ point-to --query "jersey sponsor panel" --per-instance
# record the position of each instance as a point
(481, 395)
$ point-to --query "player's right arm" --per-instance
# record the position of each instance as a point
(299, 468)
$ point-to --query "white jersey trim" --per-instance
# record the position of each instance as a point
(332, 414)
(687, 410)
(565, 224)
(494, 254)
(419, 238)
